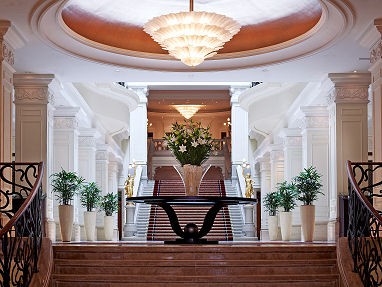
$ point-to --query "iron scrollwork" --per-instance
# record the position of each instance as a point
(21, 231)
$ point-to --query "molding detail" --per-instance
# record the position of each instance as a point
(292, 141)
(102, 155)
(87, 141)
(349, 95)
(315, 122)
(26, 95)
(65, 123)
(376, 53)
(8, 53)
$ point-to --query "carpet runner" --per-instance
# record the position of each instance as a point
(159, 228)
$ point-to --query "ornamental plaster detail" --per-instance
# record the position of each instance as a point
(8, 53)
(86, 141)
(292, 141)
(277, 155)
(38, 95)
(102, 155)
(65, 123)
(376, 53)
(348, 95)
(315, 122)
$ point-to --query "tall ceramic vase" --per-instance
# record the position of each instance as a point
(90, 225)
(273, 227)
(108, 227)
(192, 176)
(286, 225)
(307, 213)
(66, 216)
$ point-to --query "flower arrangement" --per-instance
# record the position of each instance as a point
(190, 142)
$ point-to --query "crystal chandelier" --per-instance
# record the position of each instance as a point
(192, 36)
(187, 111)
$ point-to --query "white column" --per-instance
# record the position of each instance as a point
(265, 170)
(292, 141)
(376, 88)
(277, 166)
(102, 173)
(239, 130)
(65, 153)
(6, 94)
(315, 146)
(348, 99)
(86, 160)
(33, 130)
(138, 131)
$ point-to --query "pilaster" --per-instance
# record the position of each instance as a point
(292, 145)
(265, 170)
(277, 165)
(6, 94)
(138, 130)
(239, 130)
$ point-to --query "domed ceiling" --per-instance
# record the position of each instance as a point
(119, 23)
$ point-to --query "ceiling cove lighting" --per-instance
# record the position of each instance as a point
(192, 36)
(187, 111)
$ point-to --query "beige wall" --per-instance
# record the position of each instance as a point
(159, 123)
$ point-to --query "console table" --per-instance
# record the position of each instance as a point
(191, 233)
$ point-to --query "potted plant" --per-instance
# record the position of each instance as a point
(66, 184)
(109, 204)
(271, 203)
(308, 185)
(191, 144)
(90, 197)
(287, 197)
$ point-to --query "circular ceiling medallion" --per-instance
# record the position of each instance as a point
(111, 31)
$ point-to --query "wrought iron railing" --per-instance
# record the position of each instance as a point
(21, 222)
(365, 221)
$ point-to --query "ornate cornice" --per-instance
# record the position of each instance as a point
(349, 95)
(65, 123)
(36, 95)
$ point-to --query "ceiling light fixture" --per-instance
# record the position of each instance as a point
(192, 36)
(187, 111)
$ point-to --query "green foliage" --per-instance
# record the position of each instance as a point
(66, 184)
(109, 203)
(190, 142)
(272, 202)
(90, 196)
(287, 195)
(308, 185)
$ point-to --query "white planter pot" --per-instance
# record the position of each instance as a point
(273, 227)
(66, 216)
(108, 227)
(307, 214)
(286, 225)
(90, 225)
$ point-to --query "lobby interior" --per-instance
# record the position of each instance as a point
(85, 89)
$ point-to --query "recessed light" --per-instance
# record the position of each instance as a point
(117, 70)
(355, 71)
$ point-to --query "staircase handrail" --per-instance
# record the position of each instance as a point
(365, 222)
(21, 236)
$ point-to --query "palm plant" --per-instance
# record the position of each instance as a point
(308, 185)
(66, 184)
(90, 196)
(287, 195)
(109, 203)
(272, 202)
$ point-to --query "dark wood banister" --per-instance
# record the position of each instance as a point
(361, 196)
(29, 199)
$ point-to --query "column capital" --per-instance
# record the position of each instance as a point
(32, 88)
(102, 152)
(291, 137)
(87, 138)
(349, 87)
(4, 26)
(66, 118)
(235, 92)
(142, 92)
(276, 153)
(265, 163)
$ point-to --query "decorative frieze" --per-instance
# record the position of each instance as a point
(86, 141)
(348, 95)
(37, 95)
(376, 53)
(65, 123)
(8, 54)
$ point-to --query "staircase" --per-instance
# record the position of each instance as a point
(143, 213)
(235, 212)
(159, 226)
(258, 265)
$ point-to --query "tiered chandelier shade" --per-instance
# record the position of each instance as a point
(192, 36)
(187, 111)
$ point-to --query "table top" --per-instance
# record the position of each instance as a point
(192, 200)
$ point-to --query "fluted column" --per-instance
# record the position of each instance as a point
(292, 142)
(102, 172)
(239, 130)
(6, 94)
(376, 89)
(277, 165)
